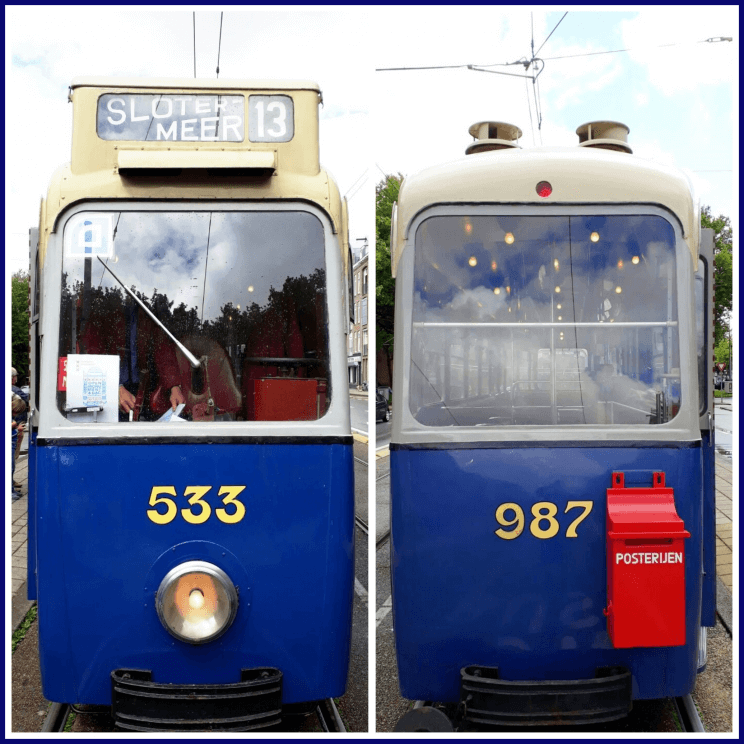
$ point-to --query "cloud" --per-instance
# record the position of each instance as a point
(686, 64)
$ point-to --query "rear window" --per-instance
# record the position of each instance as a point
(555, 320)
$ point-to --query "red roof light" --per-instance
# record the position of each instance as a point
(544, 189)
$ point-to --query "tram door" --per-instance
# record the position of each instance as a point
(704, 345)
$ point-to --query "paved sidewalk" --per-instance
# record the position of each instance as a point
(724, 520)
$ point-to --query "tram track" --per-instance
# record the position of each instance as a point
(688, 716)
(328, 718)
(684, 707)
(56, 718)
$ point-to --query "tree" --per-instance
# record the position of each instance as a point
(20, 324)
(722, 271)
(387, 194)
(722, 353)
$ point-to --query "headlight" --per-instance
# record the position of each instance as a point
(196, 602)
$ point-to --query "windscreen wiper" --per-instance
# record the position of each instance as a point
(195, 363)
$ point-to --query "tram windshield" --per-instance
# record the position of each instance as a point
(193, 316)
(555, 320)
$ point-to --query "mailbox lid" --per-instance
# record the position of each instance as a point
(638, 512)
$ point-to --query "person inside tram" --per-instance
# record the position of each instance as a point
(147, 358)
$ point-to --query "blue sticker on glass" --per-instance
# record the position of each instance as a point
(88, 235)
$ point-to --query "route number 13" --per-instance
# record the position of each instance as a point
(270, 119)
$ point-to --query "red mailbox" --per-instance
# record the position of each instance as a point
(645, 566)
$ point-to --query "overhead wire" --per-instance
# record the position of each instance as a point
(364, 173)
(534, 60)
(525, 63)
(356, 191)
(363, 178)
(550, 34)
(713, 39)
(382, 171)
(219, 47)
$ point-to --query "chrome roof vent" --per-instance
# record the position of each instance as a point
(492, 135)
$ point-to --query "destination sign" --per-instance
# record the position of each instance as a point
(171, 117)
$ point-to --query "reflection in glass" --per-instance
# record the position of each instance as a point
(244, 292)
(544, 320)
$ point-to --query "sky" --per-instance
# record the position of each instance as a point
(680, 102)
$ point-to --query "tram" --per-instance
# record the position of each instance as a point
(552, 502)
(191, 524)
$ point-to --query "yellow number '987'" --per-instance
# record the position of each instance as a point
(544, 524)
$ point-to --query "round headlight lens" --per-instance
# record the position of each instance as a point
(196, 602)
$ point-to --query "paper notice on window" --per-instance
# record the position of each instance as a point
(171, 415)
(92, 383)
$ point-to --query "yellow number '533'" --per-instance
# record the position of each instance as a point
(199, 510)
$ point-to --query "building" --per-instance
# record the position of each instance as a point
(358, 351)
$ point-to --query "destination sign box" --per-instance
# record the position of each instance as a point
(171, 117)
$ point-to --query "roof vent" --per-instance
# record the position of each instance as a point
(609, 135)
(492, 135)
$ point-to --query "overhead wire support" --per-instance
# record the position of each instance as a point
(498, 72)
(533, 62)
(527, 62)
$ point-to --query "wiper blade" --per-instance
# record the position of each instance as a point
(195, 363)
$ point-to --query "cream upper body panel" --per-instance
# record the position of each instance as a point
(91, 153)
(225, 170)
(578, 175)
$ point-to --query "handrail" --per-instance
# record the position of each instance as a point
(562, 324)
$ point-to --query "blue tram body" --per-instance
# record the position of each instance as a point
(100, 560)
(191, 496)
(537, 614)
(552, 451)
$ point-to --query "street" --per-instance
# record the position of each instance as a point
(359, 418)
(724, 416)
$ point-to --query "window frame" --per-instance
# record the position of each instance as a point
(55, 425)
(409, 430)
